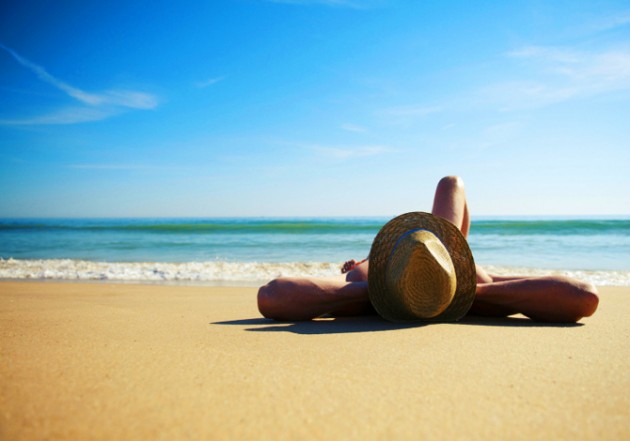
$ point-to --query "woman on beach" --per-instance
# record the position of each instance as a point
(550, 299)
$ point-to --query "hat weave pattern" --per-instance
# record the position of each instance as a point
(389, 306)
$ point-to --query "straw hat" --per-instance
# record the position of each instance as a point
(421, 269)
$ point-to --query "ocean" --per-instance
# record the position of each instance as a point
(248, 251)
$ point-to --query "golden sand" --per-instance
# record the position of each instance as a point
(132, 362)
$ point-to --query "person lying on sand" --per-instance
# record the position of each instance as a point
(550, 299)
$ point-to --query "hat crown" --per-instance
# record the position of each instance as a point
(421, 274)
(430, 270)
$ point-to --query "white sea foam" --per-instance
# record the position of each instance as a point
(220, 273)
(232, 273)
(598, 278)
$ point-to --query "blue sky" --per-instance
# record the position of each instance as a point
(312, 108)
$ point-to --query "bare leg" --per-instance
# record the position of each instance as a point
(555, 299)
(450, 203)
(350, 265)
(551, 299)
(305, 299)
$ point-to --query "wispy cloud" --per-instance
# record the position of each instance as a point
(99, 105)
(556, 74)
(343, 152)
(611, 22)
(353, 128)
(407, 115)
(109, 166)
(208, 82)
(500, 134)
(106, 166)
(611, 67)
(63, 116)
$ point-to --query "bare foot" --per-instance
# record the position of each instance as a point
(348, 266)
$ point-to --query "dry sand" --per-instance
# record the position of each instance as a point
(126, 362)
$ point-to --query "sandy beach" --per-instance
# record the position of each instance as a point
(95, 361)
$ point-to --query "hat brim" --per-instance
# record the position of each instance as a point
(457, 246)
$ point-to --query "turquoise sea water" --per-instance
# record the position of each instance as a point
(191, 249)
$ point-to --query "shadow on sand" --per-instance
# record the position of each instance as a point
(342, 325)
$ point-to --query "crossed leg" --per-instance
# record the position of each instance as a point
(450, 203)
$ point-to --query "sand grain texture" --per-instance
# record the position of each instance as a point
(126, 362)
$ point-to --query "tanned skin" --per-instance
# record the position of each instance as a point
(550, 299)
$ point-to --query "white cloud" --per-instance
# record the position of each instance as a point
(406, 115)
(411, 111)
(611, 22)
(208, 82)
(557, 74)
(611, 66)
(108, 166)
(99, 105)
(349, 152)
(63, 116)
(514, 95)
(353, 128)
(129, 99)
(500, 134)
